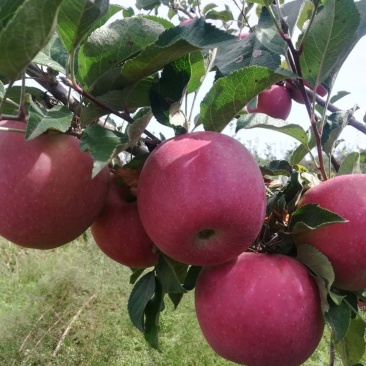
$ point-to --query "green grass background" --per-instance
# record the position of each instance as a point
(42, 291)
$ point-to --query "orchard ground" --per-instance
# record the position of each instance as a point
(45, 292)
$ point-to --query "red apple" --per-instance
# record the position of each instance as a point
(119, 233)
(47, 197)
(260, 310)
(243, 34)
(296, 94)
(344, 244)
(187, 21)
(276, 102)
(201, 198)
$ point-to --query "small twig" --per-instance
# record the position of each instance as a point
(106, 107)
(242, 12)
(331, 354)
(66, 331)
(22, 112)
(2, 104)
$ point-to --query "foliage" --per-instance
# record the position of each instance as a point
(92, 60)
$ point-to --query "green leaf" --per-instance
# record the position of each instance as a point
(172, 44)
(168, 92)
(141, 294)
(113, 43)
(224, 15)
(312, 217)
(191, 278)
(33, 21)
(77, 18)
(230, 94)
(277, 167)
(321, 267)
(131, 97)
(147, 4)
(152, 315)
(137, 162)
(328, 39)
(136, 273)
(352, 347)
(208, 7)
(197, 71)
(339, 318)
(350, 164)
(44, 60)
(7, 10)
(56, 50)
(338, 96)
(41, 120)
(305, 13)
(136, 129)
(332, 129)
(101, 144)
(264, 47)
(262, 120)
(166, 272)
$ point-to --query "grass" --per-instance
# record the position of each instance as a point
(76, 287)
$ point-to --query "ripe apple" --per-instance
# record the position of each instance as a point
(47, 197)
(276, 102)
(260, 310)
(118, 230)
(201, 198)
(344, 244)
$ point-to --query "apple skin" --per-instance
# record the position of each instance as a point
(260, 310)
(243, 35)
(47, 197)
(187, 21)
(119, 233)
(201, 198)
(343, 244)
(275, 102)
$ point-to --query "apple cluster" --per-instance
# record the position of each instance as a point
(201, 201)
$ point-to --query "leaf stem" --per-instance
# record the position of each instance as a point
(10, 129)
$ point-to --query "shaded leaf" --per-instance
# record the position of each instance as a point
(321, 267)
(197, 71)
(230, 94)
(262, 120)
(168, 92)
(167, 275)
(43, 59)
(141, 294)
(339, 318)
(328, 39)
(312, 217)
(77, 18)
(352, 347)
(264, 47)
(114, 43)
(191, 279)
(333, 128)
(350, 164)
(33, 21)
(131, 97)
(152, 314)
(101, 144)
(136, 273)
(172, 44)
(137, 162)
